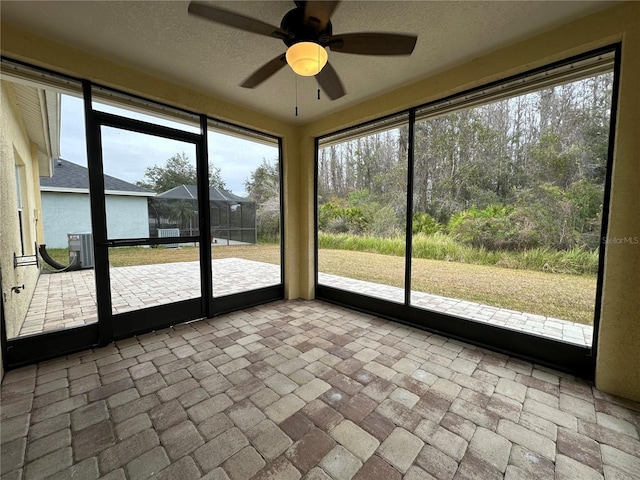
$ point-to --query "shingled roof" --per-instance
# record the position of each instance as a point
(190, 192)
(67, 174)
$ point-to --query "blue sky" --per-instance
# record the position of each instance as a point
(126, 155)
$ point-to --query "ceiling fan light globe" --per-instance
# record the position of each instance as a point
(306, 58)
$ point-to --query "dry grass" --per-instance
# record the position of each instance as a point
(569, 297)
(268, 253)
(120, 257)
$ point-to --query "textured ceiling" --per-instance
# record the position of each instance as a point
(161, 39)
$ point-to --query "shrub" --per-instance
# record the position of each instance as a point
(384, 223)
(493, 234)
(548, 213)
(586, 200)
(496, 227)
(268, 228)
(424, 223)
(336, 219)
(326, 213)
(337, 225)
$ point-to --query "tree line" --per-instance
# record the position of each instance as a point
(524, 172)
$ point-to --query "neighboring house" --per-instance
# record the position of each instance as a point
(66, 209)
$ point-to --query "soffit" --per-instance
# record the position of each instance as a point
(34, 110)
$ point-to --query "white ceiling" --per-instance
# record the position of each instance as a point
(160, 38)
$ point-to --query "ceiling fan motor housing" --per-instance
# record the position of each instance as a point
(299, 31)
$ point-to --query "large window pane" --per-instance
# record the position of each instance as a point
(154, 195)
(144, 277)
(362, 211)
(150, 185)
(244, 173)
(43, 121)
(508, 207)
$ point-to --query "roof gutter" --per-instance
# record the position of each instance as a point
(86, 190)
(51, 115)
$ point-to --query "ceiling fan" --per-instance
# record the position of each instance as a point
(307, 32)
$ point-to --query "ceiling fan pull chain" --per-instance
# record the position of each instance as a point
(318, 71)
(296, 80)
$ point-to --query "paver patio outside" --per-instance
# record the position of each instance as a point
(67, 299)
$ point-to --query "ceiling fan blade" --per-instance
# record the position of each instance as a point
(264, 72)
(235, 20)
(317, 13)
(330, 82)
(373, 43)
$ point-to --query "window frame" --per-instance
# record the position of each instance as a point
(564, 356)
(20, 208)
(20, 351)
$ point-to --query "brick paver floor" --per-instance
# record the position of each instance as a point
(67, 299)
(303, 389)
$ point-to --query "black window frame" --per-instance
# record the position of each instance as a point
(20, 351)
(564, 356)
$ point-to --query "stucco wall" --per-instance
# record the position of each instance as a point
(62, 213)
(15, 148)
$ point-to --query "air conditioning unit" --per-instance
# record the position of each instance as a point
(81, 247)
(169, 232)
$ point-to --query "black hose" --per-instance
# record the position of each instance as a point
(75, 265)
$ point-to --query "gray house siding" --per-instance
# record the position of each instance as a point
(65, 205)
(127, 217)
(63, 213)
